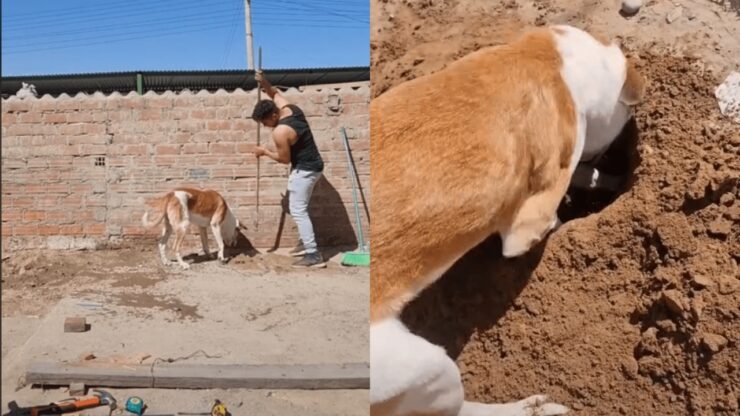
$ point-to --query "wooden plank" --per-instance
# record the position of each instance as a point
(206, 376)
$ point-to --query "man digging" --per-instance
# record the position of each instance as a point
(294, 145)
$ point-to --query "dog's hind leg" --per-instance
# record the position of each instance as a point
(411, 376)
(216, 228)
(204, 241)
(180, 234)
(162, 243)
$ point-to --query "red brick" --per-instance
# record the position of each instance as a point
(135, 230)
(21, 202)
(92, 128)
(191, 148)
(9, 118)
(71, 229)
(31, 216)
(48, 230)
(150, 115)
(7, 230)
(30, 117)
(94, 229)
(80, 117)
(223, 148)
(25, 230)
(57, 217)
(17, 105)
(47, 201)
(165, 149)
(219, 125)
(140, 149)
(55, 118)
(9, 214)
(245, 148)
(158, 102)
(71, 129)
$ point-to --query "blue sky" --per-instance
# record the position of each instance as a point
(42, 37)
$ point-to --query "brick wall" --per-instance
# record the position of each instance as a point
(77, 170)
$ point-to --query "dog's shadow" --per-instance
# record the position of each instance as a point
(243, 247)
(472, 296)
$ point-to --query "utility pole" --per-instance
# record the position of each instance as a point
(248, 25)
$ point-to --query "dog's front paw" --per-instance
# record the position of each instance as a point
(185, 266)
(539, 405)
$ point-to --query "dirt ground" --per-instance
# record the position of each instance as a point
(255, 309)
(631, 308)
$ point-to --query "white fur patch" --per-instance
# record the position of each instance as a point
(402, 363)
(183, 197)
(594, 74)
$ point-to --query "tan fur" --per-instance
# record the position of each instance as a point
(480, 147)
(635, 84)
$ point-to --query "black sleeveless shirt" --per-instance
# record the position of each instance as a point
(304, 154)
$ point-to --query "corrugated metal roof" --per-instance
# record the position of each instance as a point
(160, 81)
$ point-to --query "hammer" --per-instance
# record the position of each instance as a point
(100, 398)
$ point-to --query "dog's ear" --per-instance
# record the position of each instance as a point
(635, 84)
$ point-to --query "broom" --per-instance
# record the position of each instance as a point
(361, 256)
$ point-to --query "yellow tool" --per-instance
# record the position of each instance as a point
(219, 409)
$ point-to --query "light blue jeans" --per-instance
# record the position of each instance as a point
(300, 188)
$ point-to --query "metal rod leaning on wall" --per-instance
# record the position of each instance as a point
(259, 96)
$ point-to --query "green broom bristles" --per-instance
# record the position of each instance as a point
(356, 258)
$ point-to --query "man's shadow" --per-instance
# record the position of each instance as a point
(333, 228)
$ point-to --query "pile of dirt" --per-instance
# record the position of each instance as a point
(629, 310)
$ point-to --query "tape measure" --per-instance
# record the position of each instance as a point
(135, 405)
(218, 409)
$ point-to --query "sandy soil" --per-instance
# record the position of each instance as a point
(632, 306)
(254, 309)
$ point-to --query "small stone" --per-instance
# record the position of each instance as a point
(77, 389)
(673, 300)
(720, 227)
(713, 342)
(674, 14)
(629, 367)
(75, 325)
(631, 7)
(701, 280)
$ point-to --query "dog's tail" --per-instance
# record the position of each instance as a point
(159, 207)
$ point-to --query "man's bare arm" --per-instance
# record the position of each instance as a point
(271, 91)
(281, 154)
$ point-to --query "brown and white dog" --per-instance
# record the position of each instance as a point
(487, 145)
(205, 209)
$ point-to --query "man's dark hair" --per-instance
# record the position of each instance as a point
(263, 109)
